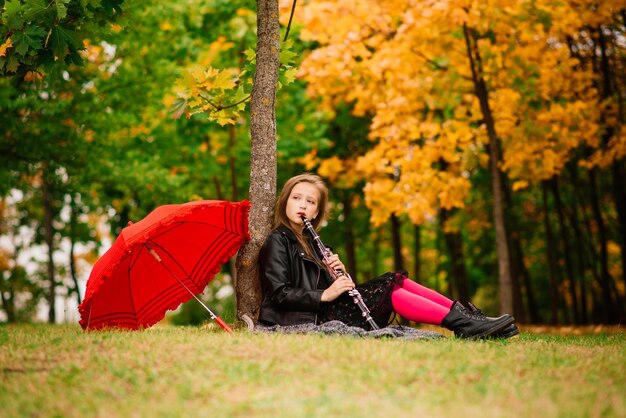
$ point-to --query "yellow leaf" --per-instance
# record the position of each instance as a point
(331, 168)
(309, 160)
(225, 121)
(519, 185)
(32, 76)
(6, 45)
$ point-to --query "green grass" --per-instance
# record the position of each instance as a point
(170, 371)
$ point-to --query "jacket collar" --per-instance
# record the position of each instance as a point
(283, 230)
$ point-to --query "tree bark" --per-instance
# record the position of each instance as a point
(551, 259)
(6, 294)
(609, 308)
(567, 251)
(417, 246)
(519, 274)
(593, 265)
(73, 220)
(619, 196)
(374, 254)
(49, 238)
(263, 157)
(349, 238)
(582, 260)
(480, 87)
(459, 284)
(617, 166)
(6, 291)
(532, 313)
(398, 262)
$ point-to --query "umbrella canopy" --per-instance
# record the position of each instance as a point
(162, 261)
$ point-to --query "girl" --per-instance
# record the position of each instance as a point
(297, 288)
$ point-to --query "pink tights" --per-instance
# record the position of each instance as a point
(420, 304)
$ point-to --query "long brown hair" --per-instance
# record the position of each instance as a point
(280, 214)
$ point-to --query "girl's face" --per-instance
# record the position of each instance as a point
(303, 199)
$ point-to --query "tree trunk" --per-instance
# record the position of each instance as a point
(567, 251)
(398, 262)
(262, 159)
(551, 259)
(374, 255)
(597, 313)
(6, 294)
(49, 237)
(6, 291)
(349, 238)
(73, 216)
(582, 262)
(533, 314)
(516, 255)
(218, 188)
(417, 245)
(232, 136)
(608, 309)
(459, 288)
(504, 269)
(619, 196)
(618, 189)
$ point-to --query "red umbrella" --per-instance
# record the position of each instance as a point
(162, 261)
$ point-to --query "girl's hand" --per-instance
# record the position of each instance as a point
(334, 263)
(339, 286)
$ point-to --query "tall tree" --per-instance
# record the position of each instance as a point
(502, 246)
(522, 107)
(263, 156)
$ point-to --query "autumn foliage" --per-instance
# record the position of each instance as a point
(554, 79)
(406, 64)
(481, 145)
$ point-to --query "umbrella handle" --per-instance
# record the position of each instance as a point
(217, 319)
(222, 324)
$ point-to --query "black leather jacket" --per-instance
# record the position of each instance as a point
(292, 282)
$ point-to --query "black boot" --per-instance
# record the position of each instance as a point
(507, 332)
(468, 325)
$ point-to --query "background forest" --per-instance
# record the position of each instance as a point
(479, 145)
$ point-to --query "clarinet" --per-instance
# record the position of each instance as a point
(335, 274)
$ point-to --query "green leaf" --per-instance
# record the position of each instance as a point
(12, 64)
(250, 54)
(62, 8)
(61, 39)
(58, 44)
(34, 9)
(225, 81)
(290, 76)
(12, 16)
(240, 95)
(30, 38)
(287, 56)
(223, 118)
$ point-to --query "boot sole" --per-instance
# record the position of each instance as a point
(501, 334)
(490, 331)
